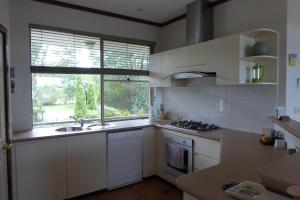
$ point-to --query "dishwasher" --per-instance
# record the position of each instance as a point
(125, 158)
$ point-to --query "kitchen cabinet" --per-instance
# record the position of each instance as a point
(155, 78)
(187, 196)
(86, 164)
(223, 57)
(202, 162)
(60, 168)
(197, 54)
(149, 152)
(206, 152)
(41, 170)
(230, 57)
(291, 140)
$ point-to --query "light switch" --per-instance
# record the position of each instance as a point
(296, 110)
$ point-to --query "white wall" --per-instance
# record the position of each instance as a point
(172, 36)
(293, 46)
(4, 12)
(24, 12)
(243, 108)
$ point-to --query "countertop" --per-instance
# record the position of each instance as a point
(241, 157)
(291, 126)
(47, 133)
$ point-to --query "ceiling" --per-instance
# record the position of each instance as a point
(158, 11)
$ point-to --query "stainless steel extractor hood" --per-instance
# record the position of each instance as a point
(200, 22)
(190, 75)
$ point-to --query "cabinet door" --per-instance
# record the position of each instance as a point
(223, 56)
(202, 162)
(198, 54)
(155, 70)
(149, 152)
(207, 147)
(172, 62)
(86, 161)
(41, 170)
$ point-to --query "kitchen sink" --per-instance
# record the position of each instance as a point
(101, 126)
(69, 129)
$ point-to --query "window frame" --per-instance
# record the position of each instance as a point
(102, 71)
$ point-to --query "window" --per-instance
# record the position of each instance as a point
(70, 77)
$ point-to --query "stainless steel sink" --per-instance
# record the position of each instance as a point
(101, 126)
(69, 129)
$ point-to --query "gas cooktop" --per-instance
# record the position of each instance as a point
(193, 125)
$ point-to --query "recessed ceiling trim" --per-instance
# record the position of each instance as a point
(96, 11)
(124, 17)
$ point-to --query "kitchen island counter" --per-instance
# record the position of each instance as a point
(241, 157)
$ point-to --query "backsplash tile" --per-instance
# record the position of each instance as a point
(244, 108)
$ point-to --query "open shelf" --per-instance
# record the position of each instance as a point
(255, 58)
(262, 83)
(269, 61)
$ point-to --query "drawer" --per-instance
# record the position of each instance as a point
(203, 162)
(207, 147)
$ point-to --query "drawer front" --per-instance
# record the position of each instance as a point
(208, 148)
(203, 162)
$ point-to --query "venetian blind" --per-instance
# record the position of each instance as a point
(124, 55)
(61, 49)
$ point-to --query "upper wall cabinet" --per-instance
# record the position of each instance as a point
(169, 62)
(223, 57)
(155, 78)
(232, 58)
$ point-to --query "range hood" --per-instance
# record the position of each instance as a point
(200, 22)
(191, 75)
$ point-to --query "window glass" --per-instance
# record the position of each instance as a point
(126, 97)
(57, 97)
(126, 56)
(59, 49)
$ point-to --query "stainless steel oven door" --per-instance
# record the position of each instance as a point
(184, 152)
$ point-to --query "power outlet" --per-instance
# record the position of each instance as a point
(296, 110)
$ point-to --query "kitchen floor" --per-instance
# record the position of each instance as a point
(153, 189)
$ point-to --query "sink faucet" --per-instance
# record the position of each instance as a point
(80, 121)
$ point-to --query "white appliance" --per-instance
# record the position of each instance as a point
(125, 152)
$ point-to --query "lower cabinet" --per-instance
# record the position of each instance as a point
(55, 169)
(86, 164)
(149, 152)
(41, 170)
(202, 162)
(187, 196)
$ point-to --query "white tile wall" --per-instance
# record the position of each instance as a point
(239, 107)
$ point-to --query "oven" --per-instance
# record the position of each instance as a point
(178, 154)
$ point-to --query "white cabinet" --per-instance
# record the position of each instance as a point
(155, 79)
(41, 170)
(202, 162)
(189, 58)
(223, 57)
(187, 196)
(86, 164)
(197, 54)
(55, 169)
(291, 140)
(149, 152)
(206, 153)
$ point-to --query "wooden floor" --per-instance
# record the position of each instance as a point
(153, 189)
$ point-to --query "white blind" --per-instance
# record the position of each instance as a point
(60, 49)
(126, 56)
